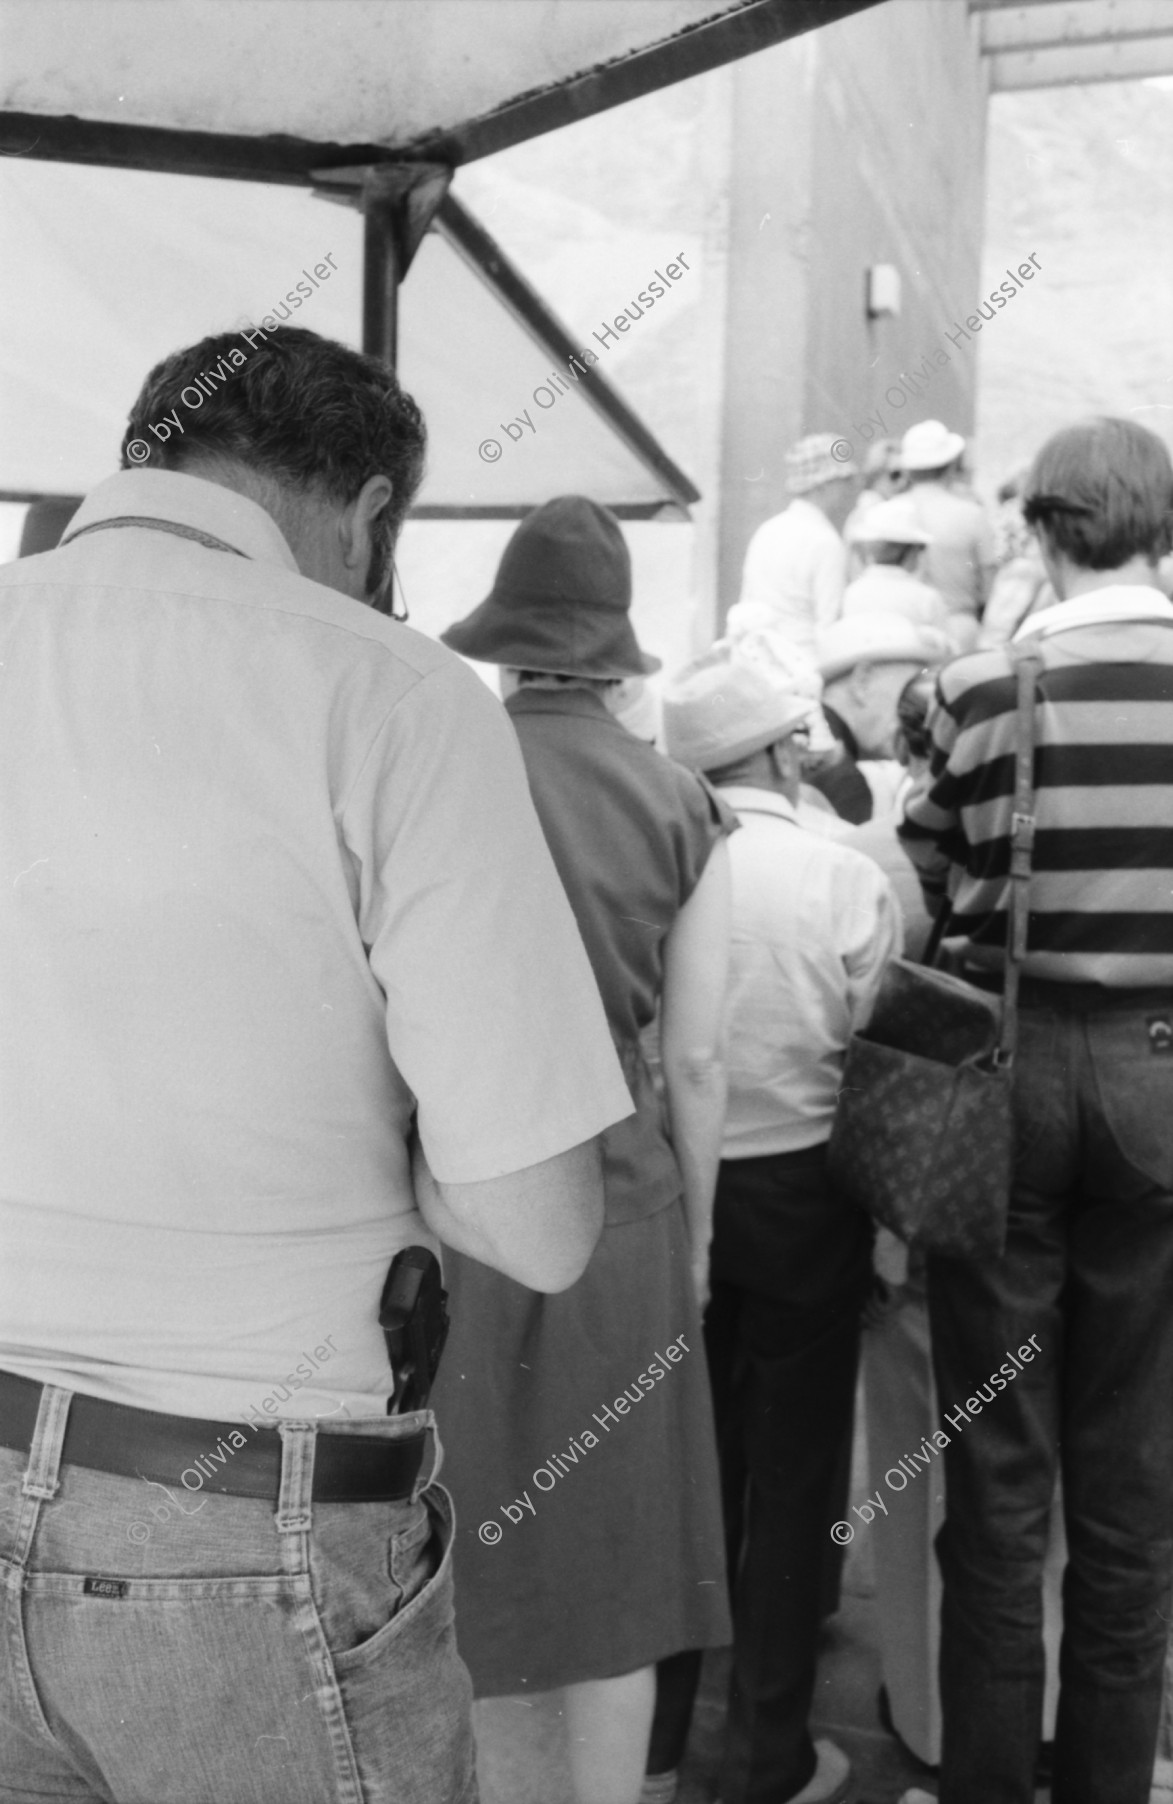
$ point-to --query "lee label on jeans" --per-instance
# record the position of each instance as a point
(102, 1587)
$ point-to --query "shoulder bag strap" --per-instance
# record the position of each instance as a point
(941, 921)
(153, 525)
(1027, 658)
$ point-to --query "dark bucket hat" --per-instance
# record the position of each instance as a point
(561, 598)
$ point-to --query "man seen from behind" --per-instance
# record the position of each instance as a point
(1077, 1310)
(271, 890)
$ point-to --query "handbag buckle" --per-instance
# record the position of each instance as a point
(1022, 839)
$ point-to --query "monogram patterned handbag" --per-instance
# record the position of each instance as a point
(924, 1132)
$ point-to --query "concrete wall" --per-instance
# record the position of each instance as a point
(768, 253)
(862, 143)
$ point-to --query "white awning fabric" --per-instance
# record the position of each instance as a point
(118, 246)
(343, 71)
(111, 269)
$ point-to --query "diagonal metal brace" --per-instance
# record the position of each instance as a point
(397, 201)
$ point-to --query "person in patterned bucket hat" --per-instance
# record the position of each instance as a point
(796, 565)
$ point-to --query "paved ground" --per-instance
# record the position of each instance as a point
(522, 1760)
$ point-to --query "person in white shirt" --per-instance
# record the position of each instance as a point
(961, 558)
(814, 924)
(893, 545)
(272, 888)
(796, 565)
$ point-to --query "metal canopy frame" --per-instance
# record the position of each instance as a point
(1063, 43)
(755, 25)
(402, 191)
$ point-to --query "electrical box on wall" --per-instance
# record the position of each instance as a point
(883, 290)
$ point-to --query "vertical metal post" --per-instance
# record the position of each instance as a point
(380, 275)
(397, 202)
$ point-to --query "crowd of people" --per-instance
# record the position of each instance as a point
(311, 951)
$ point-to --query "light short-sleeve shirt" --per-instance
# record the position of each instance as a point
(272, 889)
(890, 589)
(960, 559)
(814, 924)
(794, 575)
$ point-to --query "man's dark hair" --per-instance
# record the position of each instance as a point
(308, 412)
(912, 712)
(1103, 492)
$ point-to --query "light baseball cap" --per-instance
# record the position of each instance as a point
(722, 708)
(878, 637)
(888, 523)
(929, 445)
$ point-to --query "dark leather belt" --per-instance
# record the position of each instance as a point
(139, 1443)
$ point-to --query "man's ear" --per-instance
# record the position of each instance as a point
(1051, 559)
(861, 682)
(358, 524)
(786, 759)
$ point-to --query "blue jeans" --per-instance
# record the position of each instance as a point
(161, 1647)
(1088, 1271)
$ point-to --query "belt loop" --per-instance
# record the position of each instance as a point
(295, 1500)
(422, 1483)
(42, 1474)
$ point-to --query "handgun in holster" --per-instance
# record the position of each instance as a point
(413, 1315)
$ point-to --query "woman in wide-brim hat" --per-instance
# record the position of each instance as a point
(580, 1425)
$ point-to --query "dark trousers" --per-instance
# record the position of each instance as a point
(1088, 1272)
(790, 1273)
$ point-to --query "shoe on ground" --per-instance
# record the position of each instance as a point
(831, 1779)
(660, 1788)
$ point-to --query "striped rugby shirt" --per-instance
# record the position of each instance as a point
(1101, 898)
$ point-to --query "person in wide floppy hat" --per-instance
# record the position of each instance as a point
(623, 1564)
(561, 599)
